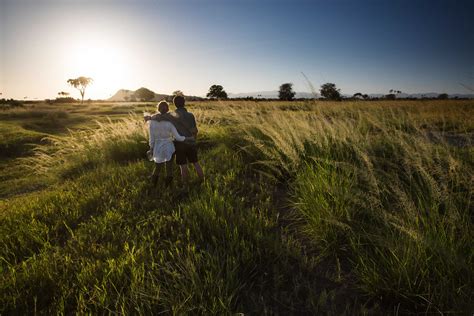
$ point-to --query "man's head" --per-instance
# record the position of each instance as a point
(179, 101)
(163, 107)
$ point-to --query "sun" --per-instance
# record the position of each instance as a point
(105, 62)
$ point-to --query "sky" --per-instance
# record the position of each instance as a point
(368, 46)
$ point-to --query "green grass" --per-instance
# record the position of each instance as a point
(329, 208)
(17, 141)
(104, 242)
(380, 196)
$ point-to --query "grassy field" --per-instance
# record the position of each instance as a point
(339, 208)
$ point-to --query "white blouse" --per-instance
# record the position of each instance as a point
(162, 135)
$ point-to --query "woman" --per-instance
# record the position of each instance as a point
(162, 134)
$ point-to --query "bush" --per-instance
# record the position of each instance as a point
(6, 104)
(65, 100)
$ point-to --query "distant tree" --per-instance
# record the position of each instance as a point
(63, 94)
(330, 92)
(365, 96)
(80, 84)
(392, 94)
(144, 94)
(443, 96)
(217, 92)
(63, 97)
(11, 102)
(357, 95)
(286, 92)
(178, 92)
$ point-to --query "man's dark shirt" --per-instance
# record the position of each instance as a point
(184, 122)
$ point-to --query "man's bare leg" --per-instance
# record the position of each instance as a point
(199, 171)
(169, 173)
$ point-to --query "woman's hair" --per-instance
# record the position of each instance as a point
(163, 107)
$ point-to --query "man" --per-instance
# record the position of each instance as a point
(186, 152)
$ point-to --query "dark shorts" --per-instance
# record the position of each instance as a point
(185, 153)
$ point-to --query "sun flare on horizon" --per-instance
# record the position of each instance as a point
(105, 62)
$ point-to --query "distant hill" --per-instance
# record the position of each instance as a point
(130, 95)
(308, 95)
(121, 95)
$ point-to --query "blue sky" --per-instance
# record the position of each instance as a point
(362, 46)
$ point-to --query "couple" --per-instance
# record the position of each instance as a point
(165, 128)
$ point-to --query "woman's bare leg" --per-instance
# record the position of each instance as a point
(169, 172)
(156, 174)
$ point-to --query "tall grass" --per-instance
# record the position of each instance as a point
(370, 187)
(377, 216)
(104, 242)
(82, 149)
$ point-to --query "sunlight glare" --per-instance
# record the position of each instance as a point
(104, 62)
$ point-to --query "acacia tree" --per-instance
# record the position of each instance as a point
(286, 92)
(217, 92)
(80, 84)
(330, 92)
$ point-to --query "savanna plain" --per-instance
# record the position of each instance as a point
(339, 208)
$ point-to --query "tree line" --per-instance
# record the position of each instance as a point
(328, 91)
(285, 92)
